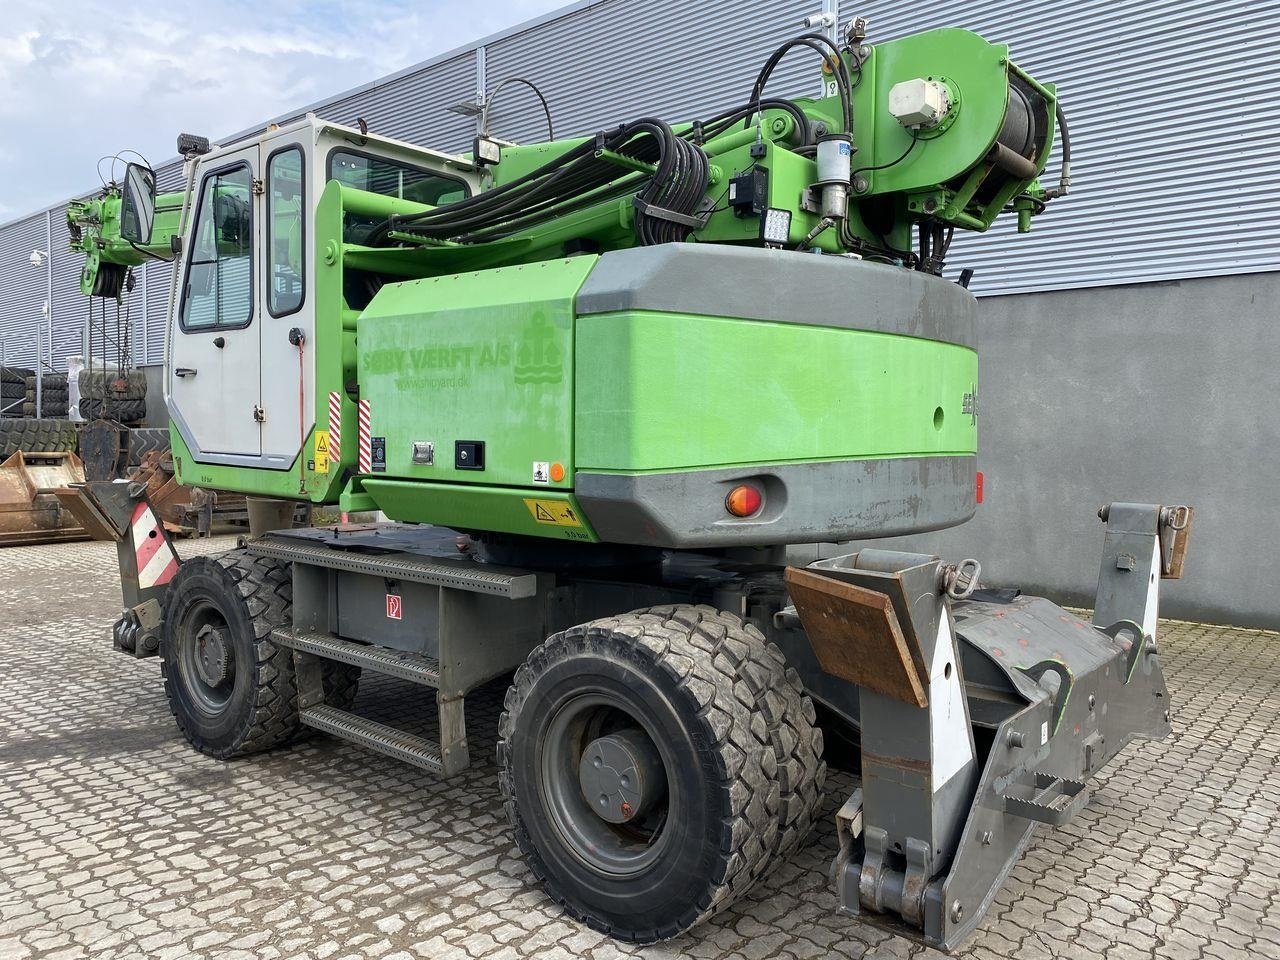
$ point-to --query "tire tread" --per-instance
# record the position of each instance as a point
(769, 753)
(266, 588)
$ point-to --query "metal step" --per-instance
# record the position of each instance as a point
(375, 736)
(1055, 800)
(397, 553)
(394, 663)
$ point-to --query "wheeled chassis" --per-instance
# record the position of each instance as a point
(980, 713)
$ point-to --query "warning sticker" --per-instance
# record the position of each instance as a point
(394, 606)
(542, 471)
(555, 512)
(322, 451)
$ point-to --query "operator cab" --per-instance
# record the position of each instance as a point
(243, 312)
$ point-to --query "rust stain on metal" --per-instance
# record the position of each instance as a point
(907, 764)
(1176, 557)
(856, 636)
(29, 510)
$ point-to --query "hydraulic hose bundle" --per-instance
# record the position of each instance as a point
(666, 202)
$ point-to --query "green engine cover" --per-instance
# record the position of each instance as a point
(480, 364)
(551, 399)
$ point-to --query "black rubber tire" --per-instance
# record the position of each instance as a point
(123, 411)
(144, 440)
(36, 436)
(16, 375)
(53, 383)
(100, 385)
(48, 396)
(789, 715)
(49, 408)
(716, 751)
(341, 684)
(12, 391)
(253, 595)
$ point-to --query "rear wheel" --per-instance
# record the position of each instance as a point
(639, 771)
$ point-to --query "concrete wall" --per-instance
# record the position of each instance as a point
(1165, 393)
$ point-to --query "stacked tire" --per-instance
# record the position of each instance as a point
(13, 390)
(36, 436)
(53, 396)
(113, 396)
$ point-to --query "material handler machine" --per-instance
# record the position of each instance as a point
(598, 384)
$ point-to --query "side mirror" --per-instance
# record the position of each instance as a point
(138, 203)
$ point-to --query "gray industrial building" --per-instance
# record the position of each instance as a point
(1128, 345)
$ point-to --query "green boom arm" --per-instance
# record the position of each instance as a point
(943, 132)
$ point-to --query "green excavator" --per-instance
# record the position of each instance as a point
(597, 385)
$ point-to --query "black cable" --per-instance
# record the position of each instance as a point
(488, 104)
(717, 125)
(816, 42)
(148, 253)
(892, 163)
(553, 189)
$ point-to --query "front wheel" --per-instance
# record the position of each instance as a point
(640, 772)
(230, 688)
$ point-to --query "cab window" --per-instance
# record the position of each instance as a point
(285, 213)
(391, 178)
(219, 288)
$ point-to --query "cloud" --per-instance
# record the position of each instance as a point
(79, 80)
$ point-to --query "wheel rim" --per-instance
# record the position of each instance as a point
(206, 657)
(604, 782)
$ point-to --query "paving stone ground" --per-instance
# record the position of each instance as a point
(119, 841)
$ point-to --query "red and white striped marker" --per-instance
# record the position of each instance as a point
(157, 563)
(366, 444)
(335, 425)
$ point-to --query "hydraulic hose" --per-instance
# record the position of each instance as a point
(1064, 174)
(666, 202)
(816, 42)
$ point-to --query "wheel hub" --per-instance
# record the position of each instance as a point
(212, 661)
(621, 776)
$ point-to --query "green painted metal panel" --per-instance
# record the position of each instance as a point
(536, 513)
(284, 484)
(667, 391)
(482, 356)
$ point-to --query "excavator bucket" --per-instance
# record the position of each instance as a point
(29, 511)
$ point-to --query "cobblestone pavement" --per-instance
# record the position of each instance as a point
(117, 840)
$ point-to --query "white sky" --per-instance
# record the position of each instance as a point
(80, 79)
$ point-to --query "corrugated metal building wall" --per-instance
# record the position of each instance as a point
(1173, 154)
(1172, 179)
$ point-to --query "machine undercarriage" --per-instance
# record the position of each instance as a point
(978, 713)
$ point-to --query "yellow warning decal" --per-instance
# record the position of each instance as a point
(322, 451)
(555, 512)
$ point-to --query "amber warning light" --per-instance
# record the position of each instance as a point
(743, 501)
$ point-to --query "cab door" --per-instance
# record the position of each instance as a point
(213, 376)
(286, 345)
